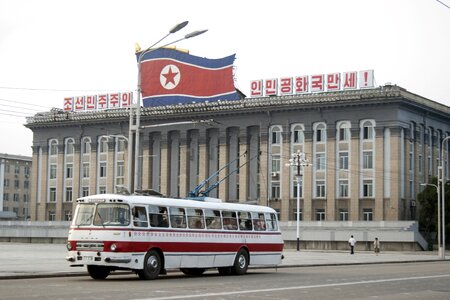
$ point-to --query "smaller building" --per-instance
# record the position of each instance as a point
(15, 172)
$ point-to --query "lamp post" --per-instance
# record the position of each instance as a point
(442, 177)
(439, 214)
(135, 121)
(299, 161)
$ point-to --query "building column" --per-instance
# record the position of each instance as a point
(164, 165)
(263, 165)
(243, 172)
(203, 156)
(378, 162)
(285, 176)
(307, 178)
(146, 158)
(330, 165)
(397, 159)
(184, 164)
(36, 174)
(60, 182)
(223, 161)
(354, 168)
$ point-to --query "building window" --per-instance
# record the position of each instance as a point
(343, 160)
(276, 135)
(68, 194)
(343, 214)
(25, 198)
(298, 136)
(26, 184)
(6, 183)
(5, 196)
(52, 171)
(16, 184)
(51, 216)
(343, 188)
(295, 188)
(85, 170)
(320, 189)
(367, 160)
(86, 146)
(53, 147)
(85, 191)
(367, 214)
(320, 135)
(69, 170)
(16, 197)
(368, 188)
(368, 130)
(300, 215)
(17, 169)
(120, 169)
(69, 147)
(67, 215)
(103, 169)
(103, 145)
(102, 190)
(26, 171)
(344, 131)
(276, 163)
(120, 145)
(320, 214)
(275, 190)
(52, 194)
(320, 161)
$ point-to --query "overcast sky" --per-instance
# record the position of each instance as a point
(53, 49)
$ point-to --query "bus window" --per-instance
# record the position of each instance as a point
(259, 222)
(195, 218)
(271, 221)
(84, 214)
(229, 220)
(177, 217)
(213, 220)
(245, 220)
(158, 216)
(112, 214)
(139, 216)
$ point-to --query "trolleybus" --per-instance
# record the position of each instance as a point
(150, 234)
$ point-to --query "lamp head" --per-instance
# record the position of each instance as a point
(178, 27)
(195, 33)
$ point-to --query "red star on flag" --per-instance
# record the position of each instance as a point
(170, 76)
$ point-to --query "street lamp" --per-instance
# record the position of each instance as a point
(442, 177)
(298, 160)
(135, 122)
(439, 215)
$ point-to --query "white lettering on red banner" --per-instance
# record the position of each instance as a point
(313, 83)
(98, 102)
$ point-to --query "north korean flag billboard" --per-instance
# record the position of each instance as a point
(170, 76)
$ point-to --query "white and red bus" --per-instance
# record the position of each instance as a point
(149, 235)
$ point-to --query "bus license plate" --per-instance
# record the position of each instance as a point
(88, 258)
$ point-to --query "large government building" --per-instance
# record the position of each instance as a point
(368, 151)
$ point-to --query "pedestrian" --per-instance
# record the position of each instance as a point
(351, 243)
(376, 246)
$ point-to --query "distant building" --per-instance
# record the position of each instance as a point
(15, 186)
(369, 151)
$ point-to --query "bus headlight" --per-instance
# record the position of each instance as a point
(113, 247)
(69, 246)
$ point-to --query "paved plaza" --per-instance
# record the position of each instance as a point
(25, 260)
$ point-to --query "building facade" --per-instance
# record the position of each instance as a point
(369, 151)
(15, 186)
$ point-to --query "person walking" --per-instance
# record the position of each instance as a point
(376, 246)
(352, 243)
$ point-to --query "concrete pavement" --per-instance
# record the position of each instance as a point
(28, 260)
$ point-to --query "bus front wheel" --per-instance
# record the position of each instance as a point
(152, 265)
(240, 263)
(98, 272)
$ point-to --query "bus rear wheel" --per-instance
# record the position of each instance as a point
(193, 271)
(240, 263)
(98, 272)
(152, 266)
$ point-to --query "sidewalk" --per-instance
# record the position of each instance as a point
(19, 260)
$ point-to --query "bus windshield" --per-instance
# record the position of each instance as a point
(103, 214)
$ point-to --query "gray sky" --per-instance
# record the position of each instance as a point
(51, 49)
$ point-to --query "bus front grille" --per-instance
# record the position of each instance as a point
(95, 246)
